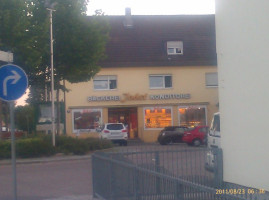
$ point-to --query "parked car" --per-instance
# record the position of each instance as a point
(116, 132)
(7, 134)
(171, 134)
(196, 135)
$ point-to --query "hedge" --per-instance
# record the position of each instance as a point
(39, 146)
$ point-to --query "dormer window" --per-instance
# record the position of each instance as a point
(174, 48)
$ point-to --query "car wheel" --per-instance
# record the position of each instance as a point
(196, 142)
(162, 142)
(167, 141)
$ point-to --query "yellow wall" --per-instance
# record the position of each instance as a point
(135, 80)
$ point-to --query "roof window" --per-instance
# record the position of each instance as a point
(174, 48)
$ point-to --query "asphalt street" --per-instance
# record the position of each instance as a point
(64, 180)
(59, 177)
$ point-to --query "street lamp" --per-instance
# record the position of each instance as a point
(52, 73)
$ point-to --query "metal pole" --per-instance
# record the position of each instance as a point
(13, 149)
(52, 80)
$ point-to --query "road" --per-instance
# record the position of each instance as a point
(48, 181)
(67, 180)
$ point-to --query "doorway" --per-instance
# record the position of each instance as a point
(127, 116)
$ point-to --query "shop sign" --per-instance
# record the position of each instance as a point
(139, 97)
(104, 98)
(169, 96)
(136, 97)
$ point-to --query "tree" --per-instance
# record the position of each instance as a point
(79, 41)
(25, 118)
(14, 22)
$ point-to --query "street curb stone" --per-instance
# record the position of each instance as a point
(56, 158)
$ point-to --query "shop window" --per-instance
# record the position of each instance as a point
(86, 119)
(160, 81)
(192, 115)
(211, 79)
(159, 117)
(174, 48)
(105, 82)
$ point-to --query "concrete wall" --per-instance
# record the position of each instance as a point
(242, 29)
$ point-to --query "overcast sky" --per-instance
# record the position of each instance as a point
(152, 7)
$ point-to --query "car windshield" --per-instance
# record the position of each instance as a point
(115, 126)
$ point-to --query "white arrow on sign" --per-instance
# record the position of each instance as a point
(15, 78)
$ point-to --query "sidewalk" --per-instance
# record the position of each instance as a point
(55, 158)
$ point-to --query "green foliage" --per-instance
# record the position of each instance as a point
(40, 145)
(25, 118)
(34, 147)
(79, 41)
(27, 148)
(77, 146)
(5, 149)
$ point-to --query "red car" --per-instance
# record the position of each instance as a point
(7, 135)
(196, 135)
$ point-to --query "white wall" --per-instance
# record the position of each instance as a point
(242, 28)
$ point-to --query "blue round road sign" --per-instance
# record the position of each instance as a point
(13, 82)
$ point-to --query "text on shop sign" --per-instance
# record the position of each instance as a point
(138, 97)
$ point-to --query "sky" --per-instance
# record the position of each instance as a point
(148, 7)
(152, 7)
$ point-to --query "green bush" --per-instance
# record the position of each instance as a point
(77, 146)
(34, 147)
(97, 144)
(38, 146)
(5, 149)
(27, 148)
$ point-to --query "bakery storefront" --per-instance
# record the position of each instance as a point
(143, 114)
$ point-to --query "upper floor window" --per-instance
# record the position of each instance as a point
(105, 82)
(175, 48)
(160, 81)
(211, 79)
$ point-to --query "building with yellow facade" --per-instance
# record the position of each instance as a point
(160, 71)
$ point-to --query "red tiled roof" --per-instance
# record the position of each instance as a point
(145, 43)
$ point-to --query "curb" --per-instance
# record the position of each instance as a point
(46, 160)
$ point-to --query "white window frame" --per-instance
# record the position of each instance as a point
(107, 78)
(85, 130)
(193, 106)
(152, 107)
(210, 75)
(174, 47)
(163, 77)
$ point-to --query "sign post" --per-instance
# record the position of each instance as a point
(13, 84)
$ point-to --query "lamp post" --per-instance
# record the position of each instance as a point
(52, 77)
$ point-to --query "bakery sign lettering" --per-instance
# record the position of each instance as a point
(138, 97)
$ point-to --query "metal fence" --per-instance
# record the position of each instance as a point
(161, 175)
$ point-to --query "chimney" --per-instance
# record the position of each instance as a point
(127, 11)
(128, 22)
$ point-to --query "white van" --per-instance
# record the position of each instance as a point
(213, 141)
(213, 138)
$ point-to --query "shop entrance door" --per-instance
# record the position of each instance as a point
(127, 116)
